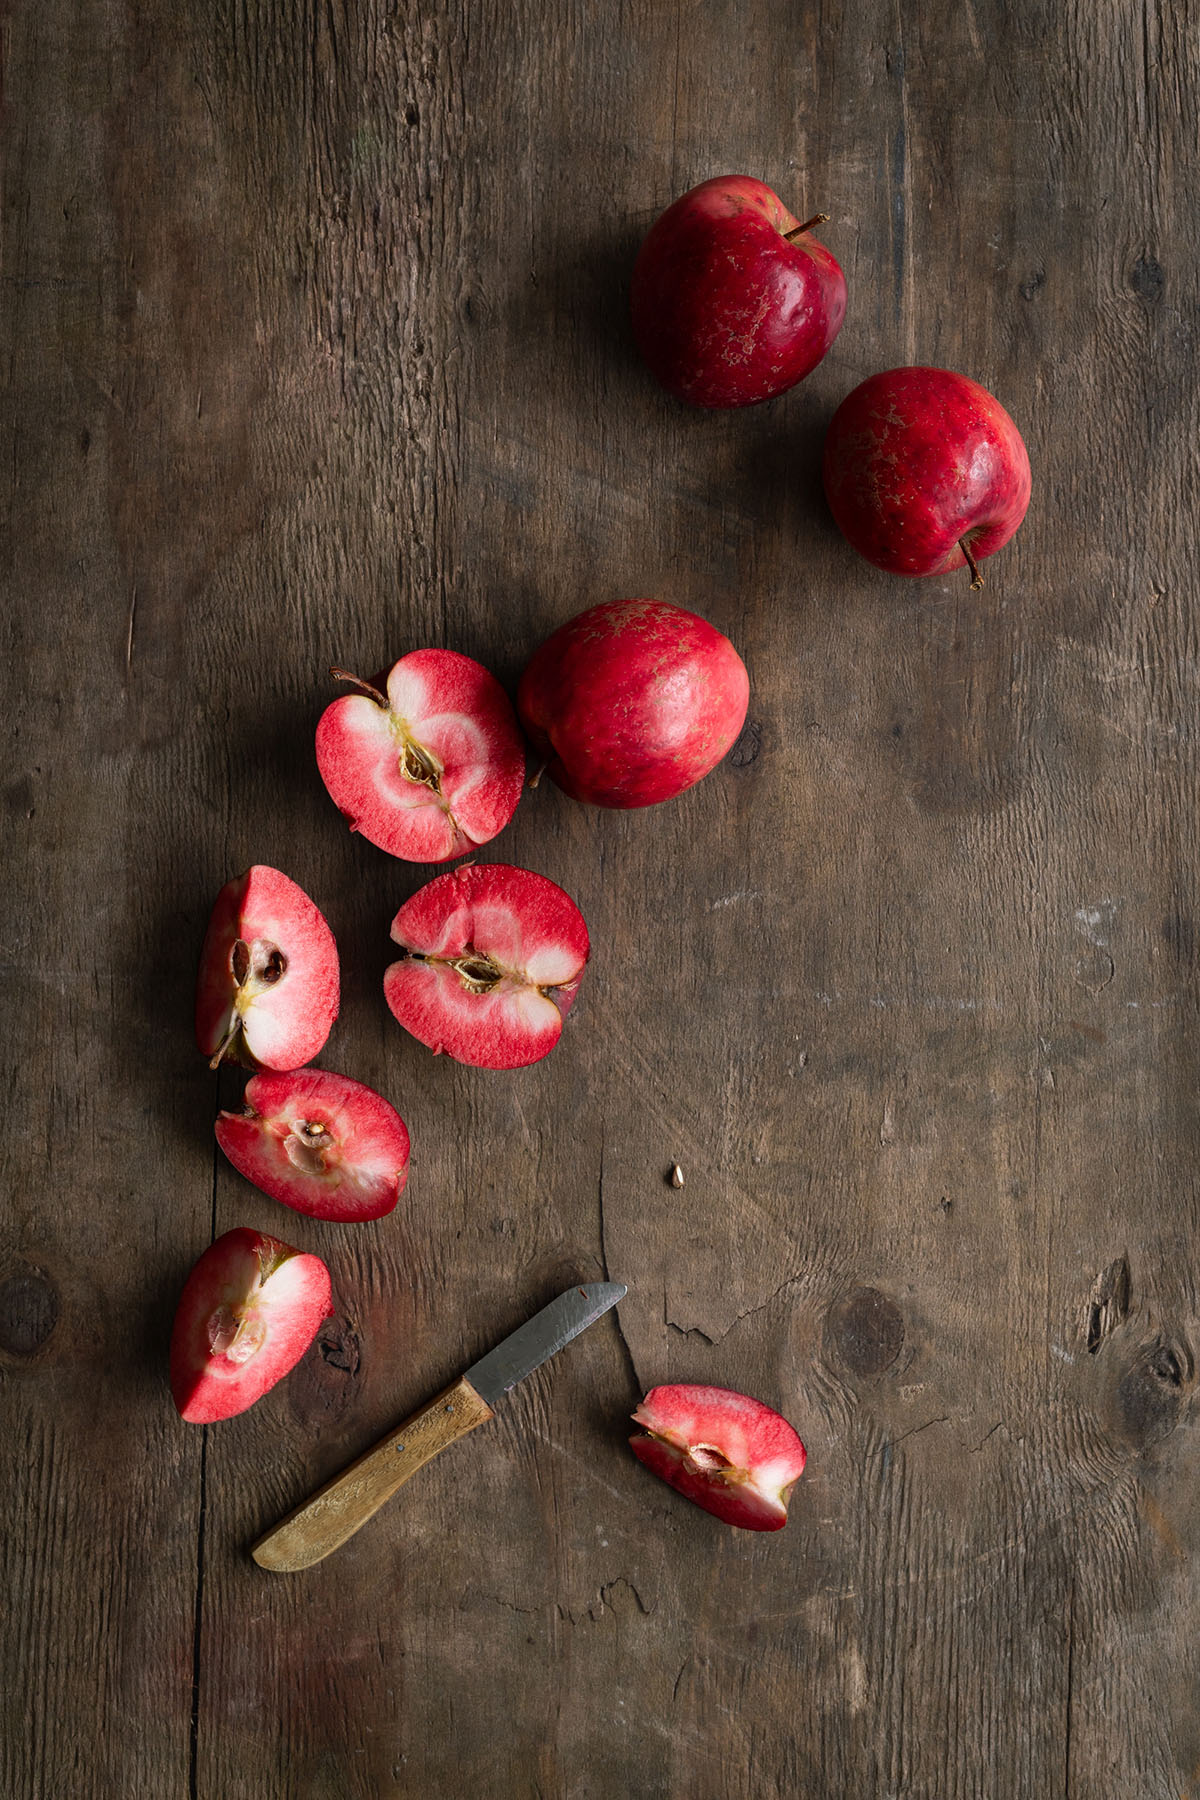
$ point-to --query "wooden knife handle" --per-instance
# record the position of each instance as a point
(351, 1498)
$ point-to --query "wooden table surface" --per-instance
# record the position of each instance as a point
(314, 329)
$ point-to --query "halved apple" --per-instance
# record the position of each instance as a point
(492, 960)
(429, 769)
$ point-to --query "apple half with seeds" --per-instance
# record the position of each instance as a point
(268, 987)
(321, 1143)
(732, 1455)
(491, 961)
(249, 1310)
(430, 768)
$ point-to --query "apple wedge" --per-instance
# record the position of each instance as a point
(320, 1143)
(728, 1453)
(249, 1310)
(491, 961)
(268, 988)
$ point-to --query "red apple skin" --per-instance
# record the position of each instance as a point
(249, 1310)
(734, 1456)
(918, 460)
(320, 1143)
(493, 958)
(725, 311)
(278, 1015)
(632, 702)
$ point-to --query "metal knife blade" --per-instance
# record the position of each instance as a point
(531, 1344)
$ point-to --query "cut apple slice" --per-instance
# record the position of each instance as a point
(249, 1310)
(326, 1145)
(492, 960)
(268, 987)
(433, 767)
(730, 1454)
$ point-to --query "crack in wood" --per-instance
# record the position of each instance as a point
(1108, 1303)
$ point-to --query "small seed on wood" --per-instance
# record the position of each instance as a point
(676, 1176)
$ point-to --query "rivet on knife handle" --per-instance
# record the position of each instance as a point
(351, 1498)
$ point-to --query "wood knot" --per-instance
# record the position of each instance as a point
(867, 1331)
(1153, 1392)
(1147, 280)
(29, 1309)
(329, 1377)
(748, 747)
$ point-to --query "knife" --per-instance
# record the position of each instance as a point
(337, 1510)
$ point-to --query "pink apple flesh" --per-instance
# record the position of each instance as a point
(727, 312)
(633, 701)
(922, 466)
(493, 958)
(268, 987)
(320, 1143)
(433, 767)
(249, 1310)
(731, 1455)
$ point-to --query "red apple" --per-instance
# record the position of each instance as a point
(732, 1455)
(268, 990)
(321, 1143)
(925, 471)
(633, 701)
(492, 961)
(431, 768)
(249, 1310)
(734, 301)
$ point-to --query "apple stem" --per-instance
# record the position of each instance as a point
(789, 237)
(364, 687)
(976, 577)
(226, 1044)
(537, 775)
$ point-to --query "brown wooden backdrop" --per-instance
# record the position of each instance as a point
(314, 336)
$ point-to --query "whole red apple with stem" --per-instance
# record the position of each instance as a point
(632, 702)
(925, 472)
(733, 299)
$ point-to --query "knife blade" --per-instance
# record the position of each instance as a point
(336, 1511)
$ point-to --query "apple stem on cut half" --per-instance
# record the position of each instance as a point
(227, 1042)
(976, 576)
(364, 687)
(790, 237)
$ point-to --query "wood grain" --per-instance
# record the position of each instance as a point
(315, 343)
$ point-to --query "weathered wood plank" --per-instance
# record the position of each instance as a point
(315, 337)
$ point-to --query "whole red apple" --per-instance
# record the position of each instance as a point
(633, 701)
(925, 471)
(734, 301)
